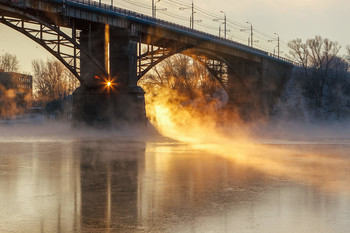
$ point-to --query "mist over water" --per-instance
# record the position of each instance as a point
(207, 171)
(115, 183)
(296, 151)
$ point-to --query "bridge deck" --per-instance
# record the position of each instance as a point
(154, 22)
(149, 26)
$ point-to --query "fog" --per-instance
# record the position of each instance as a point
(56, 131)
(195, 167)
(298, 151)
(294, 150)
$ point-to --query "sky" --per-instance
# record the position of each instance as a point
(290, 19)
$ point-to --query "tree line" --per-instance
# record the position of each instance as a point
(51, 79)
(52, 82)
(181, 73)
(320, 85)
(318, 89)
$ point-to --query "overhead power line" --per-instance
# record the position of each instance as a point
(209, 21)
(138, 4)
(179, 2)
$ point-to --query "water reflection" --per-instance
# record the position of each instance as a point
(109, 183)
(40, 188)
(127, 185)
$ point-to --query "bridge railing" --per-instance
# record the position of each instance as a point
(284, 59)
(172, 26)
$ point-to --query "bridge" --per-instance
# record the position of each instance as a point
(101, 43)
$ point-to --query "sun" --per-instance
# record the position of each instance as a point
(109, 85)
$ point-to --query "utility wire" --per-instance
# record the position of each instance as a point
(170, 3)
(180, 3)
(174, 15)
(138, 4)
(231, 24)
(264, 34)
(207, 26)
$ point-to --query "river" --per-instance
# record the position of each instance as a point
(112, 182)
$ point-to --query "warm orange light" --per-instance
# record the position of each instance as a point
(198, 129)
(108, 85)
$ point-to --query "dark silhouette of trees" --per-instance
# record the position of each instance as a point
(317, 57)
(9, 63)
(183, 74)
(52, 80)
(323, 76)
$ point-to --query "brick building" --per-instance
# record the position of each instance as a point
(21, 83)
(16, 91)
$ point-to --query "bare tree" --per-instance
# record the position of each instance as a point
(9, 63)
(52, 80)
(316, 57)
(183, 74)
(348, 53)
(338, 88)
(299, 52)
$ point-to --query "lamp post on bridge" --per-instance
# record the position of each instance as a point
(225, 24)
(196, 20)
(255, 41)
(220, 30)
(250, 38)
(278, 44)
(154, 8)
(192, 15)
(251, 34)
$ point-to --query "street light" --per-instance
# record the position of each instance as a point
(192, 17)
(251, 34)
(154, 8)
(278, 44)
(220, 30)
(249, 42)
(154, 11)
(224, 21)
(215, 20)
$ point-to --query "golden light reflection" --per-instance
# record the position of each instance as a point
(195, 123)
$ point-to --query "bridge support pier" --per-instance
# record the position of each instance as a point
(122, 107)
(241, 99)
(122, 102)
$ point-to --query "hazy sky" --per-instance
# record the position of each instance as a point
(289, 18)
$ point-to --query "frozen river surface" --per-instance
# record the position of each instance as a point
(114, 183)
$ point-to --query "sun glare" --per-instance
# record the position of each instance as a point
(108, 85)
